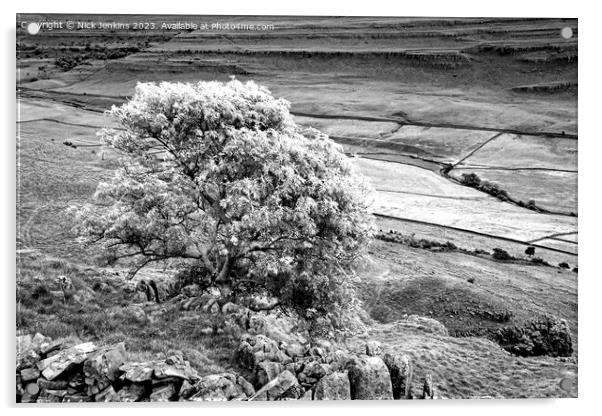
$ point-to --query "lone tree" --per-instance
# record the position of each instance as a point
(219, 181)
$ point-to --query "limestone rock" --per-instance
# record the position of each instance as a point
(32, 389)
(277, 388)
(230, 307)
(308, 395)
(338, 360)
(295, 392)
(423, 324)
(52, 385)
(163, 393)
(135, 313)
(186, 390)
(107, 395)
(369, 379)
(257, 348)
(28, 350)
(293, 349)
(76, 398)
(51, 346)
(216, 387)
(131, 393)
(29, 374)
(51, 396)
(56, 365)
(333, 387)
(138, 372)
(266, 371)
(102, 367)
(373, 348)
(428, 390)
(400, 368)
(181, 370)
(246, 387)
(312, 372)
(27, 358)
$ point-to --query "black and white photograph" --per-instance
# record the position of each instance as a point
(295, 208)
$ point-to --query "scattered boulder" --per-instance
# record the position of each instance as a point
(257, 348)
(31, 349)
(27, 358)
(428, 390)
(282, 387)
(312, 372)
(400, 369)
(425, 324)
(293, 349)
(230, 307)
(334, 386)
(373, 348)
(266, 371)
(216, 387)
(246, 387)
(338, 360)
(369, 379)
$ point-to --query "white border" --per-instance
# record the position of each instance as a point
(590, 25)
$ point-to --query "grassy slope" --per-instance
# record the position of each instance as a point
(476, 367)
(416, 281)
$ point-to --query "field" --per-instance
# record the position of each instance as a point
(416, 103)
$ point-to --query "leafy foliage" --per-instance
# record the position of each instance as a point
(219, 180)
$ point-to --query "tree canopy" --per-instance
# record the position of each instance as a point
(217, 179)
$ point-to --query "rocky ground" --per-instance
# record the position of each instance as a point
(57, 371)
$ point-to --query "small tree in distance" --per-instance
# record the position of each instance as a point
(219, 181)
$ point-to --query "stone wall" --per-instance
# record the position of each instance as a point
(49, 371)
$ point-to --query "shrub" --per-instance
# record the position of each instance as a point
(67, 63)
(543, 336)
(471, 179)
(501, 254)
(564, 265)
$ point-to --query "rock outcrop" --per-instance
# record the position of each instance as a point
(400, 369)
(369, 379)
(333, 387)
